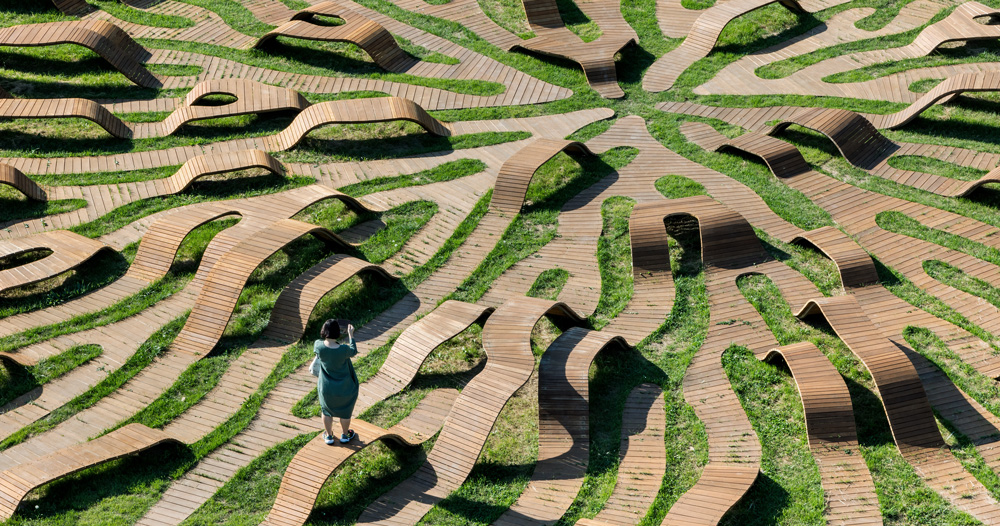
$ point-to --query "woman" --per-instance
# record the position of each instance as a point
(338, 385)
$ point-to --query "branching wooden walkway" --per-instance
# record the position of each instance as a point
(506, 338)
(847, 484)
(701, 39)
(906, 406)
(316, 462)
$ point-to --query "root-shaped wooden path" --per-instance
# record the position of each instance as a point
(64, 250)
(15, 484)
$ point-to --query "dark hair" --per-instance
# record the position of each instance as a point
(330, 330)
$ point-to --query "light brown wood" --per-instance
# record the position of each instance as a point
(317, 462)
(643, 459)
(16, 483)
(103, 38)
(67, 251)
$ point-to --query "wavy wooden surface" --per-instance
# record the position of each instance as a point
(316, 462)
(16, 483)
(66, 251)
(16, 179)
(911, 418)
(104, 38)
(701, 39)
(833, 439)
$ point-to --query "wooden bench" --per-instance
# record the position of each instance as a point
(67, 252)
(16, 179)
(101, 37)
(16, 483)
(516, 173)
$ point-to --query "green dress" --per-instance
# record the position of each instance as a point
(337, 383)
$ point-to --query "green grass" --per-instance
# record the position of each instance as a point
(17, 380)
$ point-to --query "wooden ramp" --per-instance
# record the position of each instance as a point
(316, 462)
(14, 178)
(103, 38)
(643, 459)
(701, 39)
(510, 362)
(847, 484)
(958, 84)
(67, 251)
(597, 58)
(414, 345)
(354, 111)
(652, 279)
(241, 380)
(853, 263)
(357, 29)
(17, 482)
(224, 284)
(563, 427)
(909, 412)
(516, 173)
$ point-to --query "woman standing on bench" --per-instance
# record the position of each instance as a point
(337, 383)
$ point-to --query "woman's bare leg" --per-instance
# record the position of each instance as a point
(345, 424)
(328, 424)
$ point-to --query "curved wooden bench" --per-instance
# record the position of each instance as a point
(356, 111)
(62, 109)
(597, 58)
(69, 250)
(510, 362)
(966, 82)
(295, 304)
(783, 158)
(858, 141)
(101, 37)
(357, 29)
(833, 439)
(306, 473)
(863, 146)
(517, 171)
(251, 97)
(854, 264)
(17, 482)
(224, 284)
(16, 179)
(414, 345)
(217, 163)
(701, 39)
(909, 412)
(643, 459)
(563, 427)
(960, 26)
